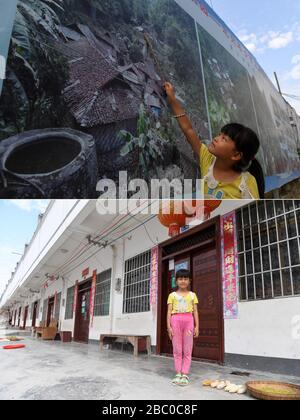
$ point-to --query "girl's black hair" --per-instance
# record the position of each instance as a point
(247, 143)
(183, 273)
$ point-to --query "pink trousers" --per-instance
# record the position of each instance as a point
(183, 339)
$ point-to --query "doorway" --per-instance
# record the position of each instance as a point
(50, 311)
(34, 313)
(19, 317)
(197, 250)
(82, 316)
(25, 317)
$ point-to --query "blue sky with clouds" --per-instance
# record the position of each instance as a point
(271, 31)
(18, 221)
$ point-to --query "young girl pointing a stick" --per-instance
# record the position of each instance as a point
(228, 165)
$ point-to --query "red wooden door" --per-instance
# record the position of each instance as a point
(50, 313)
(207, 285)
(83, 316)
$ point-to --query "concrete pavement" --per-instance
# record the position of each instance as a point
(67, 371)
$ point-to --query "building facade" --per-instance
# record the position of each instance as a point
(94, 275)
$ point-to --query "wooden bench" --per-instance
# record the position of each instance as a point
(139, 342)
(48, 333)
(38, 330)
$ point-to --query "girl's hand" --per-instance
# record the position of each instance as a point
(196, 332)
(170, 91)
(170, 332)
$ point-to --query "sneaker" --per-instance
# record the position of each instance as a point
(184, 381)
(177, 379)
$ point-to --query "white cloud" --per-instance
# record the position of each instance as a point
(272, 40)
(280, 40)
(295, 72)
(296, 59)
(30, 205)
(251, 47)
(252, 38)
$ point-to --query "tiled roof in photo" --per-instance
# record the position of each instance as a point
(100, 91)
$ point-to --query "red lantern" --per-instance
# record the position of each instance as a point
(210, 206)
(200, 208)
(173, 217)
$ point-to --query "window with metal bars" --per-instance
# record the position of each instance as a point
(70, 303)
(136, 296)
(269, 249)
(102, 295)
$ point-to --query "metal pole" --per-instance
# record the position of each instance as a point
(277, 81)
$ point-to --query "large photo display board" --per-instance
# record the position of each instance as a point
(97, 67)
(7, 16)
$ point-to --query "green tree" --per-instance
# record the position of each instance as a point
(147, 143)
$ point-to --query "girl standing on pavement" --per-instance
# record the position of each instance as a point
(183, 325)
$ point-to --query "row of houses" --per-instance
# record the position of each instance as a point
(99, 274)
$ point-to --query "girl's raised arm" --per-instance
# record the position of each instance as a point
(183, 121)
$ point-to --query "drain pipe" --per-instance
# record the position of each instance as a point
(113, 283)
(112, 287)
(63, 300)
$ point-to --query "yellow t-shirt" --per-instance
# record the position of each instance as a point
(181, 304)
(225, 191)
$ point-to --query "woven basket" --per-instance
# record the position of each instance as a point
(256, 389)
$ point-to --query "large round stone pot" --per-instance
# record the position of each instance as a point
(50, 163)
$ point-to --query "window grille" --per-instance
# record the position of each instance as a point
(102, 295)
(57, 307)
(136, 297)
(269, 249)
(70, 303)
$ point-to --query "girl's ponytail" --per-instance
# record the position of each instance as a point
(247, 143)
(257, 171)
